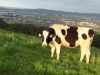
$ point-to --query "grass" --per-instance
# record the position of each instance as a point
(97, 31)
(23, 55)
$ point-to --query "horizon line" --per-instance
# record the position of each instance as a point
(44, 8)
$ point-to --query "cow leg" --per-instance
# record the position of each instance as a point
(57, 43)
(52, 51)
(82, 53)
(85, 50)
(87, 55)
(58, 51)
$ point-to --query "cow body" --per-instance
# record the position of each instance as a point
(57, 35)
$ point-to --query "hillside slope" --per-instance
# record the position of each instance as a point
(23, 55)
(3, 24)
(46, 11)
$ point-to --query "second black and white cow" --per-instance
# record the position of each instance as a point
(57, 35)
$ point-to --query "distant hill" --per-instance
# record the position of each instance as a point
(3, 25)
(46, 11)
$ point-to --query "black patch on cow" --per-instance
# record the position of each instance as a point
(42, 38)
(63, 31)
(72, 36)
(58, 40)
(51, 32)
(84, 36)
(90, 32)
(48, 40)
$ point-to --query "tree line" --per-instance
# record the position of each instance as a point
(26, 28)
(22, 28)
(33, 30)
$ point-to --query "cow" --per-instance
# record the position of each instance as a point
(58, 35)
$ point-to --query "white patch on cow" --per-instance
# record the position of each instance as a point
(45, 34)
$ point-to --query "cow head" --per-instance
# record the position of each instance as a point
(47, 36)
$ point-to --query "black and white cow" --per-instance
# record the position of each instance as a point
(57, 35)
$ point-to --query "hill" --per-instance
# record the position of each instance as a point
(47, 11)
(23, 55)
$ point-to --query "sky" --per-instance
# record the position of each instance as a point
(82, 6)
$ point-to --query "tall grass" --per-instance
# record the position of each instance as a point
(23, 55)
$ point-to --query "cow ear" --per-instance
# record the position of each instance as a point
(39, 34)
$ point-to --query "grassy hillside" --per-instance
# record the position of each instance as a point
(23, 55)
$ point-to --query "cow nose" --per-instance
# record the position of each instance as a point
(44, 45)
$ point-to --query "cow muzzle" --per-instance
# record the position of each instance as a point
(44, 44)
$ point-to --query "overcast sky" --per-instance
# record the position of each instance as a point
(83, 6)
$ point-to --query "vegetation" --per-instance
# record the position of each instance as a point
(3, 24)
(22, 54)
(26, 28)
(96, 41)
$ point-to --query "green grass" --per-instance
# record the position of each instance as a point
(97, 31)
(23, 55)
